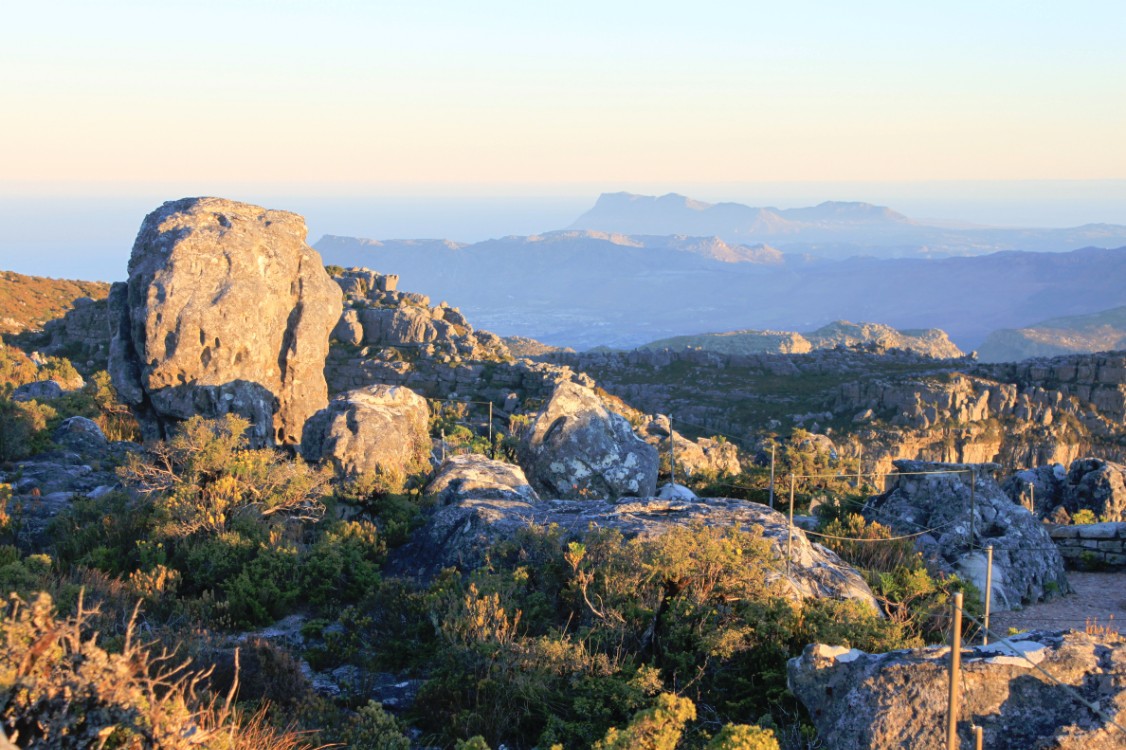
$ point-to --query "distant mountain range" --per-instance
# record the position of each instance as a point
(635, 268)
(585, 289)
(830, 230)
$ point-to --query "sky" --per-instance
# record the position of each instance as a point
(377, 102)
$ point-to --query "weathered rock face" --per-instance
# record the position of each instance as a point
(1026, 565)
(376, 429)
(1090, 483)
(82, 335)
(899, 699)
(226, 310)
(458, 535)
(577, 448)
(475, 477)
(703, 456)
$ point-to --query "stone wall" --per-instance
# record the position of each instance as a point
(1092, 545)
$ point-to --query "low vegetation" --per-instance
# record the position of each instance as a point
(561, 640)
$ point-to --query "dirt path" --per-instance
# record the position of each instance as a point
(1097, 597)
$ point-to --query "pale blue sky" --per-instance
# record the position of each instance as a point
(484, 118)
(453, 96)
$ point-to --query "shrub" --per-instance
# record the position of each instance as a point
(1083, 516)
(23, 428)
(656, 728)
(373, 727)
(59, 689)
(204, 477)
(743, 737)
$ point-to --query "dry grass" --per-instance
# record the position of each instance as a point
(27, 302)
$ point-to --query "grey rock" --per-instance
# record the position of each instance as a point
(576, 448)
(81, 435)
(375, 429)
(475, 477)
(41, 390)
(226, 310)
(899, 699)
(1027, 567)
(1089, 483)
(459, 535)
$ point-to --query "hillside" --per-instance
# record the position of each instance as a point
(28, 302)
(1097, 332)
(876, 336)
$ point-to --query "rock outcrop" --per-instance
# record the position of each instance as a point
(885, 406)
(376, 430)
(706, 456)
(929, 342)
(899, 699)
(474, 477)
(1089, 484)
(459, 535)
(875, 337)
(378, 315)
(961, 517)
(226, 310)
(577, 448)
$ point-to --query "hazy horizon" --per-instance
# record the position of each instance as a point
(75, 231)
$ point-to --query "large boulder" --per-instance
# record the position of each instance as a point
(577, 448)
(226, 310)
(899, 699)
(460, 534)
(935, 501)
(475, 477)
(1099, 486)
(379, 429)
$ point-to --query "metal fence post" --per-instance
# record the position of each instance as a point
(790, 527)
(988, 592)
(492, 447)
(973, 507)
(772, 475)
(955, 674)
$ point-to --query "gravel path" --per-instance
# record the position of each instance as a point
(1096, 597)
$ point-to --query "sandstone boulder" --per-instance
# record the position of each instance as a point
(458, 535)
(378, 429)
(693, 457)
(1027, 567)
(899, 699)
(226, 310)
(577, 448)
(476, 477)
